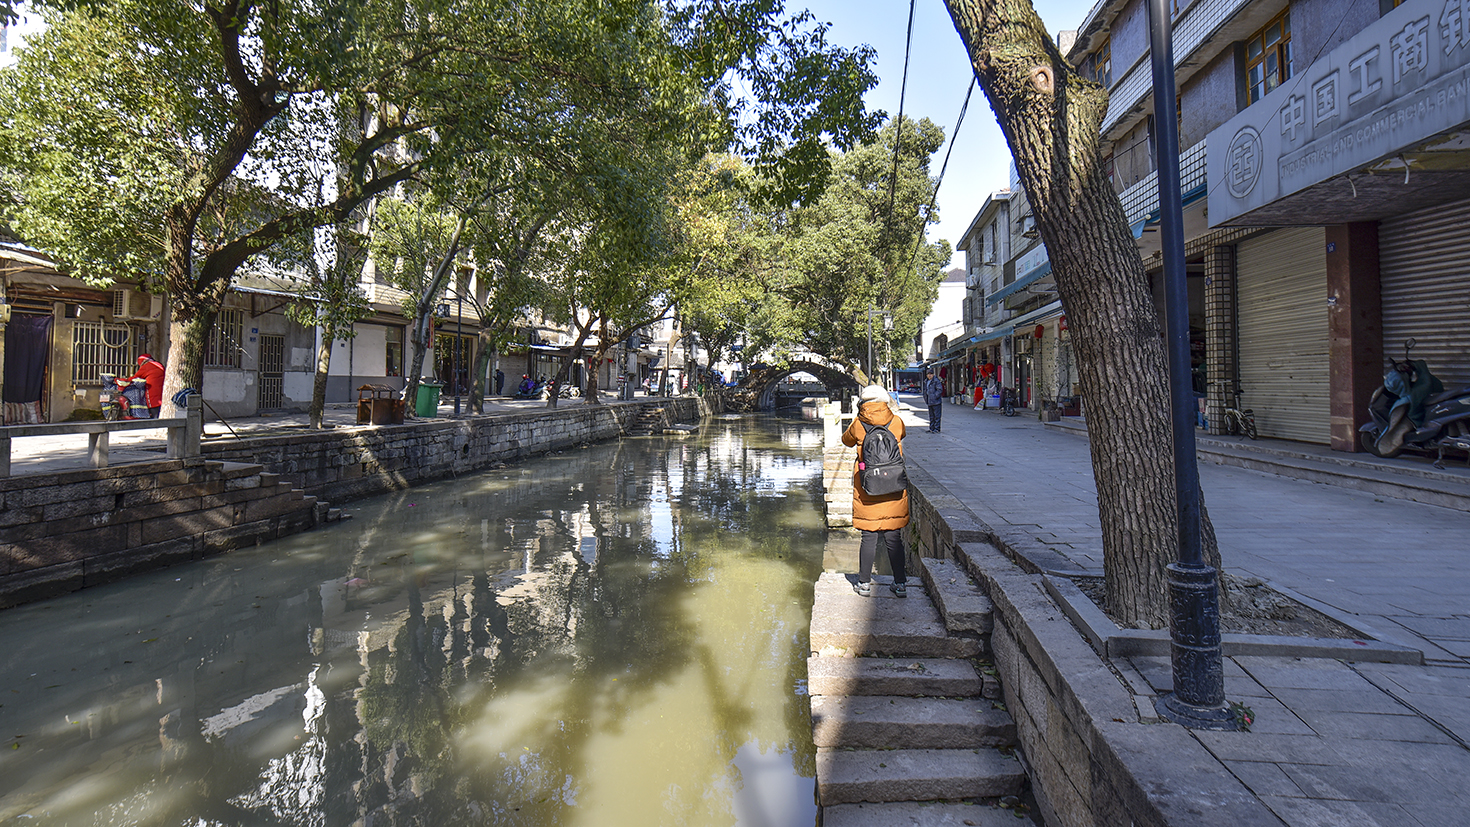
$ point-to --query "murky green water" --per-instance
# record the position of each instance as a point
(612, 636)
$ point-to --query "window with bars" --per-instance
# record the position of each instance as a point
(98, 348)
(222, 349)
(1268, 56)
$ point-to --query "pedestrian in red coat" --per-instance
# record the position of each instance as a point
(151, 372)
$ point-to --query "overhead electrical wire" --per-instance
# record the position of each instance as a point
(934, 197)
(903, 87)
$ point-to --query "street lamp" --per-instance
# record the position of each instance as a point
(1198, 696)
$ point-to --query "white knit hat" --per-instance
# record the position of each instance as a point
(874, 393)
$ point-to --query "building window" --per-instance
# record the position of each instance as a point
(222, 350)
(394, 361)
(98, 348)
(1268, 57)
(1098, 66)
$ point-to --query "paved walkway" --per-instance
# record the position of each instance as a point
(37, 455)
(1334, 743)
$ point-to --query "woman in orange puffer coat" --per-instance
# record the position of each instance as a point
(880, 518)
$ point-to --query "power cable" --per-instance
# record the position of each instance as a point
(898, 132)
(934, 197)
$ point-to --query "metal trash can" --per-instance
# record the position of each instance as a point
(426, 403)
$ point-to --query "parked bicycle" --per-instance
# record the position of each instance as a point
(1240, 420)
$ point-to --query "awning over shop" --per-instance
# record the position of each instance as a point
(1035, 275)
(1040, 314)
(953, 352)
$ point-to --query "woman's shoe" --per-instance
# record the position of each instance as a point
(899, 589)
(863, 589)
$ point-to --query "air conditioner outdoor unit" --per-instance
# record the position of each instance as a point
(136, 305)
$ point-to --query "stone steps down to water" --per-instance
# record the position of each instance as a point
(904, 730)
(649, 421)
(883, 624)
(918, 814)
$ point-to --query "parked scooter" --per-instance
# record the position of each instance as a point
(123, 400)
(536, 391)
(1412, 410)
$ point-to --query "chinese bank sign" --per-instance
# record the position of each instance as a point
(1396, 83)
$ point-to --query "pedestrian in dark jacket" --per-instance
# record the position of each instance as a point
(880, 518)
(499, 382)
(934, 398)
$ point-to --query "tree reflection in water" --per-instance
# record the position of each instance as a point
(608, 636)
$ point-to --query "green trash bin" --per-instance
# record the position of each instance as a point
(426, 404)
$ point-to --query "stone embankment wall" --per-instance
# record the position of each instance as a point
(838, 464)
(1092, 758)
(344, 465)
(67, 531)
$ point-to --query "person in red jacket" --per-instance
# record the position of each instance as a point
(150, 371)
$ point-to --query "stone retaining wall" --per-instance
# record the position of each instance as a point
(67, 531)
(1092, 760)
(338, 466)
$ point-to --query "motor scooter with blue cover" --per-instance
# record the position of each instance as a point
(1413, 411)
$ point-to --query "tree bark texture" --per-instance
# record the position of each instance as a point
(319, 381)
(1051, 117)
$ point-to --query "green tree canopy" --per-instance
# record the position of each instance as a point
(859, 247)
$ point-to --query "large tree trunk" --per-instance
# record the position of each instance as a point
(1051, 118)
(319, 381)
(594, 365)
(482, 371)
(555, 388)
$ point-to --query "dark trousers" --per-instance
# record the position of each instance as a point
(868, 552)
(935, 411)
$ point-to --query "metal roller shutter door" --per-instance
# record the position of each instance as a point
(1282, 323)
(1424, 265)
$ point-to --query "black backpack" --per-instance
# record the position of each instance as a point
(882, 467)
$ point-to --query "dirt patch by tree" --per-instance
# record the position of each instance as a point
(1249, 607)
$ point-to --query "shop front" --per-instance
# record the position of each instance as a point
(1363, 153)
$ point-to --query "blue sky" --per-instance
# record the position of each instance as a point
(939, 73)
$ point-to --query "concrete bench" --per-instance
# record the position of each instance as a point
(183, 435)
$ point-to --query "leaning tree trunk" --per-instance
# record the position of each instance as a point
(482, 371)
(594, 366)
(319, 379)
(1051, 118)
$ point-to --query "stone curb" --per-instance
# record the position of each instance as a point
(1112, 642)
(1090, 758)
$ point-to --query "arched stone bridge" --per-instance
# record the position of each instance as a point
(757, 391)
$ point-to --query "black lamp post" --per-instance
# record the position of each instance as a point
(1198, 697)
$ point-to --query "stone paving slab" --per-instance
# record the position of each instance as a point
(878, 625)
(890, 676)
(918, 814)
(960, 602)
(1336, 742)
(915, 775)
(877, 722)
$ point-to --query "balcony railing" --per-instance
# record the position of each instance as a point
(1191, 32)
(1141, 200)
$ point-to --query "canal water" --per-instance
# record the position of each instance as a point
(613, 635)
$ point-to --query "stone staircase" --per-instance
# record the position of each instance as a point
(837, 467)
(649, 421)
(908, 731)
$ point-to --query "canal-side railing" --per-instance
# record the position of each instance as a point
(184, 434)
